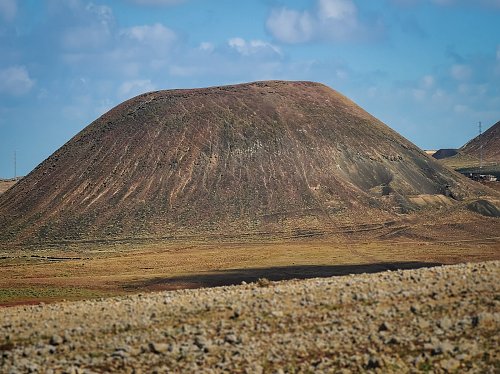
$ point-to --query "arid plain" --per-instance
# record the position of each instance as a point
(88, 270)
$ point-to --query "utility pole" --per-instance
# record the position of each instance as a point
(480, 147)
(15, 165)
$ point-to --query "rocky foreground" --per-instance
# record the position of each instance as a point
(443, 319)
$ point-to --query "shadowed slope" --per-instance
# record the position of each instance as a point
(259, 157)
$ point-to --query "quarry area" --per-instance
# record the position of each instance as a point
(443, 319)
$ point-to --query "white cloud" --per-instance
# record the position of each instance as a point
(92, 28)
(337, 9)
(331, 20)
(155, 35)
(126, 53)
(15, 80)
(291, 26)
(461, 72)
(428, 81)
(206, 46)
(135, 87)
(102, 12)
(8, 9)
(247, 48)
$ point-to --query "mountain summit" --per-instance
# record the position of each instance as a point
(265, 157)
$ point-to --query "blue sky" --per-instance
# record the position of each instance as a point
(430, 69)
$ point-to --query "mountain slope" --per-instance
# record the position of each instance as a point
(260, 157)
(490, 140)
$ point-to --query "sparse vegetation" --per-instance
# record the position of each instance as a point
(441, 319)
(115, 270)
(14, 295)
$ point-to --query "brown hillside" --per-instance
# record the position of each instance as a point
(491, 145)
(267, 157)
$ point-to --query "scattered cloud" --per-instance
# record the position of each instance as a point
(206, 46)
(291, 26)
(247, 48)
(85, 27)
(337, 10)
(123, 53)
(156, 35)
(460, 72)
(428, 81)
(15, 81)
(8, 9)
(103, 13)
(459, 93)
(329, 20)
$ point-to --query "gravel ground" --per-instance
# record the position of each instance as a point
(442, 319)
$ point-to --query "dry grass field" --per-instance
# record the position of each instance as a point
(54, 275)
(5, 184)
(461, 161)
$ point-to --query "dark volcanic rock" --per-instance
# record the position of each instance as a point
(444, 153)
(484, 207)
(274, 157)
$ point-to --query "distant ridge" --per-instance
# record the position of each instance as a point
(444, 153)
(281, 158)
(490, 140)
(468, 157)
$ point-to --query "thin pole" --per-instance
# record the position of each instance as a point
(15, 165)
